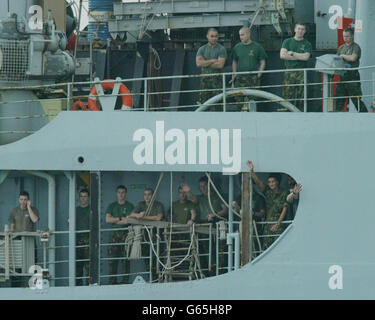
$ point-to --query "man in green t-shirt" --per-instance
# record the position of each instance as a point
(296, 53)
(145, 212)
(117, 215)
(211, 58)
(206, 215)
(23, 218)
(83, 215)
(350, 52)
(183, 210)
(247, 55)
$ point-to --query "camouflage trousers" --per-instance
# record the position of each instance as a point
(82, 239)
(118, 251)
(292, 93)
(270, 236)
(352, 90)
(245, 81)
(207, 84)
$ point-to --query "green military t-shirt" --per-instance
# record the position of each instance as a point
(157, 208)
(302, 46)
(204, 206)
(83, 218)
(182, 211)
(209, 53)
(21, 219)
(248, 56)
(117, 210)
(349, 50)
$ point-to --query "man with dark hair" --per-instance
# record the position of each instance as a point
(247, 55)
(296, 52)
(350, 52)
(117, 215)
(23, 217)
(211, 58)
(276, 204)
(83, 216)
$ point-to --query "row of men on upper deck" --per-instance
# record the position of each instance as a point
(249, 55)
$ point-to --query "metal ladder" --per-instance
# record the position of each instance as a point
(178, 242)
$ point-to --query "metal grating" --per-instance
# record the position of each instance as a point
(14, 60)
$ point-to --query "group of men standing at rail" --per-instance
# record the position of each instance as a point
(296, 51)
(206, 207)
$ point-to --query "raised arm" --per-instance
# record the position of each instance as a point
(33, 216)
(259, 183)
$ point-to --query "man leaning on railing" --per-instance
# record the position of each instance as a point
(23, 218)
(350, 82)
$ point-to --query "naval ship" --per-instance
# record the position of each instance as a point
(135, 64)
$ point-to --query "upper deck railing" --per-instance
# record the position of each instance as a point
(317, 94)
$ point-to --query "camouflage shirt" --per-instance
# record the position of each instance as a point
(349, 50)
(275, 202)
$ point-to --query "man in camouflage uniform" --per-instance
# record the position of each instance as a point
(351, 53)
(247, 55)
(276, 205)
(211, 58)
(117, 214)
(83, 216)
(296, 52)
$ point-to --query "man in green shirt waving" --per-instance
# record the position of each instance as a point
(116, 214)
(247, 55)
(295, 52)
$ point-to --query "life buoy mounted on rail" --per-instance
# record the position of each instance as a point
(79, 105)
(127, 101)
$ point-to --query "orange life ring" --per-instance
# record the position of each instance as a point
(79, 105)
(127, 100)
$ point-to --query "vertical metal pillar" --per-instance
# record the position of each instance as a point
(145, 96)
(72, 227)
(230, 223)
(305, 91)
(246, 213)
(224, 94)
(325, 92)
(95, 207)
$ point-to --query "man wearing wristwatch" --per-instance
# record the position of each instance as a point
(295, 52)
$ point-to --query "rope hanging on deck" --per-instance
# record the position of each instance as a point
(135, 234)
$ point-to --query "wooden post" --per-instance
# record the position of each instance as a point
(246, 220)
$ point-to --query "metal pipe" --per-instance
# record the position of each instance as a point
(249, 92)
(304, 91)
(237, 254)
(230, 223)
(351, 9)
(51, 217)
(224, 94)
(72, 227)
(3, 176)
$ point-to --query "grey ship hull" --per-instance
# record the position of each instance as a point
(330, 154)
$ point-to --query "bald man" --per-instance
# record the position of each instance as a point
(247, 55)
